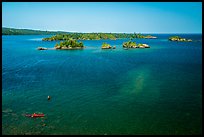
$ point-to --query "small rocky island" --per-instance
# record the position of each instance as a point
(131, 44)
(177, 38)
(42, 48)
(69, 44)
(107, 46)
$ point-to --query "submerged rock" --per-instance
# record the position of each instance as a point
(7, 111)
(43, 125)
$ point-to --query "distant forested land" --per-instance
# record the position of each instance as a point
(96, 36)
(60, 35)
(12, 31)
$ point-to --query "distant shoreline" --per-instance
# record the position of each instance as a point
(14, 31)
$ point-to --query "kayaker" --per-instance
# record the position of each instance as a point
(34, 115)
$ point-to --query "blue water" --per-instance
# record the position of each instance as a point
(93, 91)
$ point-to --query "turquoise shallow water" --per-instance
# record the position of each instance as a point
(139, 91)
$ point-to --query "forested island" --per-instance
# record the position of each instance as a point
(69, 44)
(107, 46)
(131, 44)
(177, 38)
(96, 36)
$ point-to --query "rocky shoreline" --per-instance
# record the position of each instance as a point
(130, 44)
(68, 48)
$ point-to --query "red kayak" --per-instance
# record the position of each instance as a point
(35, 115)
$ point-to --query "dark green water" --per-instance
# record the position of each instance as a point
(93, 91)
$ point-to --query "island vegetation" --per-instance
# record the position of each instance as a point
(131, 44)
(69, 44)
(106, 46)
(96, 36)
(177, 38)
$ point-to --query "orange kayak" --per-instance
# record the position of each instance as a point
(35, 115)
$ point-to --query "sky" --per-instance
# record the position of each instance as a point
(126, 17)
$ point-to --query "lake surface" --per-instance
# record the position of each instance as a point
(93, 91)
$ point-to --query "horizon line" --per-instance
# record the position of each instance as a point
(108, 32)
